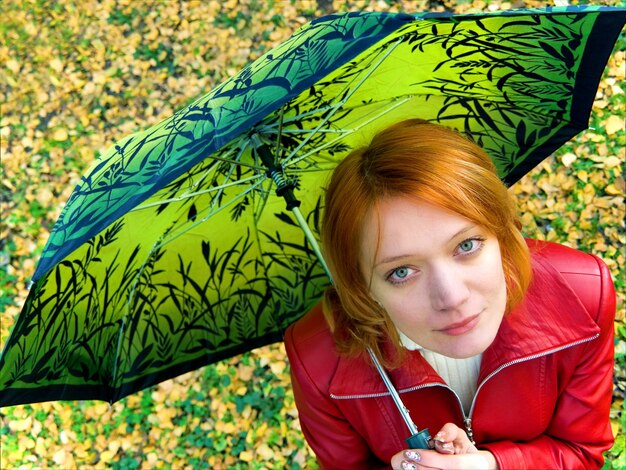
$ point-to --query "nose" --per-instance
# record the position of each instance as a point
(448, 289)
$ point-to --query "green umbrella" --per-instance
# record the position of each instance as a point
(175, 251)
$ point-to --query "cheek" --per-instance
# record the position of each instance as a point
(494, 282)
(405, 307)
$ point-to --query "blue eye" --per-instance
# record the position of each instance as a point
(400, 275)
(469, 246)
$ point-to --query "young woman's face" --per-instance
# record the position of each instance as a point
(437, 274)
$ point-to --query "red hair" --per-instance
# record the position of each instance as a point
(415, 159)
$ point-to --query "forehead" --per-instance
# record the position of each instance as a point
(398, 226)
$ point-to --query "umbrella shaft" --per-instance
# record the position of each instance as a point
(394, 395)
(309, 236)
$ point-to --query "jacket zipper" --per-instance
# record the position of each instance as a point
(467, 420)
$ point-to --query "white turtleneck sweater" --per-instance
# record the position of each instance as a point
(461, 375)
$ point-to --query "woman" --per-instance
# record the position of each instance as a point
(503, 347)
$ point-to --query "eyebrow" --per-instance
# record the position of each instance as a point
(398, 257)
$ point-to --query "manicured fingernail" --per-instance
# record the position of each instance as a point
(411, 454)
(448, 446)
(440, 436)
(408, 466)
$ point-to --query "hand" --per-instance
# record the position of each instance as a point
(453, 450)
(414, 459)
(451, 439)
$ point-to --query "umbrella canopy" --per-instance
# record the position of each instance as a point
(175, 251)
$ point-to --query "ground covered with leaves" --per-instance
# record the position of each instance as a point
(78, 75)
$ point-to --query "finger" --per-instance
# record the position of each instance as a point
(449, 433)
(406, 460)
(411, 459)
(425, 459)
(430, 459)
(453, 440)
(444, 447)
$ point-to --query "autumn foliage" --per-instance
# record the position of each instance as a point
(78, 75)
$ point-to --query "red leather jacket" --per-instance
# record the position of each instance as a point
(544, 388)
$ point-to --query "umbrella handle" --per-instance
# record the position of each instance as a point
(421, 440)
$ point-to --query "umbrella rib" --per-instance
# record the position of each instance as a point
(297, 117)
(306, 131)
(209, 170)
(334, 109)
(196, 193)
(344, 132)
(210, 214)
(158, 244)
(236, 161)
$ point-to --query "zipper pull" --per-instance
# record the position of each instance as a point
(468, 430)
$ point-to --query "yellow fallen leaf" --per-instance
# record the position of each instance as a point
(265, 452)
(80, 453)
(568, 159)
(56, 65)
(45, 197)
(602, 203)
(613, 190)
(114, 446)
(152, 459)
(278, 367)
(614, 124)
(611, 161)
(41, 448)
(158, 396)
(21, 425)
(100, 408)
(59, 457)
(25, 442)
(615, 427)
(13, 65)
(101, 441)
(130, 443)
(601, 104)
(60, 135)
(226, 428)
(246, 456)
(106, 457)
(245, 372)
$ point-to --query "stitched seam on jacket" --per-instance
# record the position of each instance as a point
(499, 369)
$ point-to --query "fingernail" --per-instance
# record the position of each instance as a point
(448, 446)
(440, 436)
(411, 454)
(408, 466)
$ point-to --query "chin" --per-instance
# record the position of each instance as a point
(467, 347)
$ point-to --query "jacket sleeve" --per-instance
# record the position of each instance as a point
(579, 431)
(335, 442)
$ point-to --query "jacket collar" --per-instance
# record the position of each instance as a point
(550, 318)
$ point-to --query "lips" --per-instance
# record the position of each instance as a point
(462, 327)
